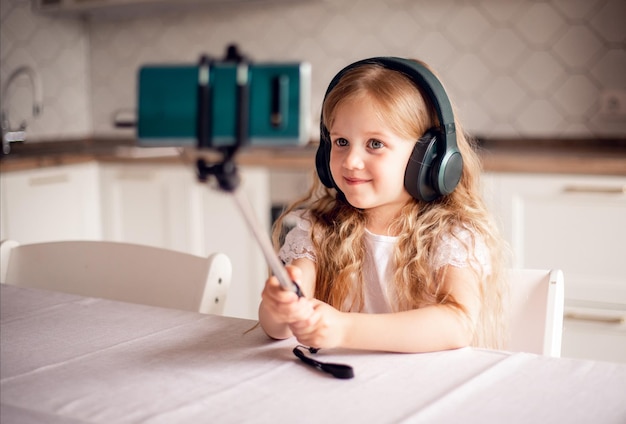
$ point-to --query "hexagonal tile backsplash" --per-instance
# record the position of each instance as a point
(514, 68)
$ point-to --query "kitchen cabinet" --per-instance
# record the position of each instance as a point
(286, 186)
(160, 205)
(225, 229)
(164, 206)
(52, 203)
(150, 204)
(577, 224)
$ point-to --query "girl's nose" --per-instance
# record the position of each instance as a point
(353, 159)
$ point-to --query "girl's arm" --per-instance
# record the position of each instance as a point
(432, 328)
(279, 308)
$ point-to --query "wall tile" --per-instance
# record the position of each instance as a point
(609, 21)
(469, 74)
(578, 47)
(577, 97)
(503, 98)
(540, 23)
(538, 118)
(539, 72)
(514, 68)
(609, 69)
(577, 10)
(466, 26)
(503, 49)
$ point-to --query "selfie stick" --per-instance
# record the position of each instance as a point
(225, 171)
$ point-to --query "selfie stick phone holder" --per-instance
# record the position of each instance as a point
(225, 170)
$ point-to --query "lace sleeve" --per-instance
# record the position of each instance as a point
(461, 249)
(297, 242)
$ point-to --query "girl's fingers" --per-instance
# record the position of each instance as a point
(274, 292)
(307, 326)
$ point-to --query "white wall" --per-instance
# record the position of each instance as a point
(515, 68)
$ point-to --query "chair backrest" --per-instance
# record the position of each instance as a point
(536, 311)
(121, 271)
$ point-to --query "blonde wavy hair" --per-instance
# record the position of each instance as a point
(338, 228)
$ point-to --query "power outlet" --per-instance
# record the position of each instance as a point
(613, 104)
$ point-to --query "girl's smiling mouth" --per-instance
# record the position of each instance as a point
(355, 181)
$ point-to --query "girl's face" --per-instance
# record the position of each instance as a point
(368, 159)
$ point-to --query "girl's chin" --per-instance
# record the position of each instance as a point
(357, 203)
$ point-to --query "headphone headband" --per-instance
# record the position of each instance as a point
(424, 79)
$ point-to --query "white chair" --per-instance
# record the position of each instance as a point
(120, 271)
(536, 311)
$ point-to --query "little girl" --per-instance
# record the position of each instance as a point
(386, 262)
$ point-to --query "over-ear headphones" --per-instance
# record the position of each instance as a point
(435, 166)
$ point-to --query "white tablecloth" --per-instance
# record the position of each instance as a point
(70, 359)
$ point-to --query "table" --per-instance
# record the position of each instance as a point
(70, 359)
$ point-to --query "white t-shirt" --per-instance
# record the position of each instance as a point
(378, 270)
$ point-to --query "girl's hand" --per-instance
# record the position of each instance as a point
(325, 328)
(285, 306)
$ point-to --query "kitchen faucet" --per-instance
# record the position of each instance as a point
(10, 135)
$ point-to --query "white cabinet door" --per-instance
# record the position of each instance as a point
(151, 204)
(52, 203)
(165, 206)
(577, 224)
(226, 230)
(594, 331)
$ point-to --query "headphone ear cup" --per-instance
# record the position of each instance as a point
(418, 179)
(321, 163)
(450, 168)
(322, 160)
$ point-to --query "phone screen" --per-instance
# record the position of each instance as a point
(279, 104)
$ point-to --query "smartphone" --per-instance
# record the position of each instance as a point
(279, 104)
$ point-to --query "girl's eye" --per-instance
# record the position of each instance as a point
(375, 144)
(341, 142)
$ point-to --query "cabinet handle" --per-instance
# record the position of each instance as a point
(135, 176)
(582, 189)
(50, 179)
(615, 320)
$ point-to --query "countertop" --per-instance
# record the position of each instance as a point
(573, 156)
